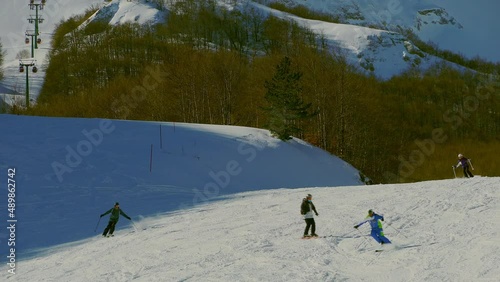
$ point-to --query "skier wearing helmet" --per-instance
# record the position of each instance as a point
(464, 162)
(377, 231)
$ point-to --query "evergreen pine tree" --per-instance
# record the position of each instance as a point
(286, 106)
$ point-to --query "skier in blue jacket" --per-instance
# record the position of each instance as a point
(376, 224)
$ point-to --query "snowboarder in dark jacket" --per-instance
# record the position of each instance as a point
(464, 162)
(306, 209)
(113, 219)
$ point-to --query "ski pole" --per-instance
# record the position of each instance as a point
(97, 225)
(369, 242)
(399, 232)
(470, 162)
(343, 235)
(134, 225)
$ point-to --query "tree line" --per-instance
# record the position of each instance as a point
(207, 65)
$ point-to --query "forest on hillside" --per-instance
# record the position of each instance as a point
(215, 66)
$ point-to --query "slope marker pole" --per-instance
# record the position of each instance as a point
(151, 159)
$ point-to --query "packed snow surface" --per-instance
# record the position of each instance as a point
(222, 203)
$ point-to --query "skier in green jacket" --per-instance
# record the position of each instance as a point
(113, 219)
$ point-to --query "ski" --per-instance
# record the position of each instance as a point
(470, 163)
(343, 236)
(335, 236)
(311, 237)
(402, 247)
(138, 230)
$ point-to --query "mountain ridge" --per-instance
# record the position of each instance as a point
(430, 21)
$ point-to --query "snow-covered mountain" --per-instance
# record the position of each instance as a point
(215, 203)
(119, 12)
(440, 230)
(380, 52)
(375, 51)
(465, 27)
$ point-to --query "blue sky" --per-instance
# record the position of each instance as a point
(480, 20)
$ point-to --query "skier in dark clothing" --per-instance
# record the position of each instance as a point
(464, 162)
(306, 209)
(113, 219)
